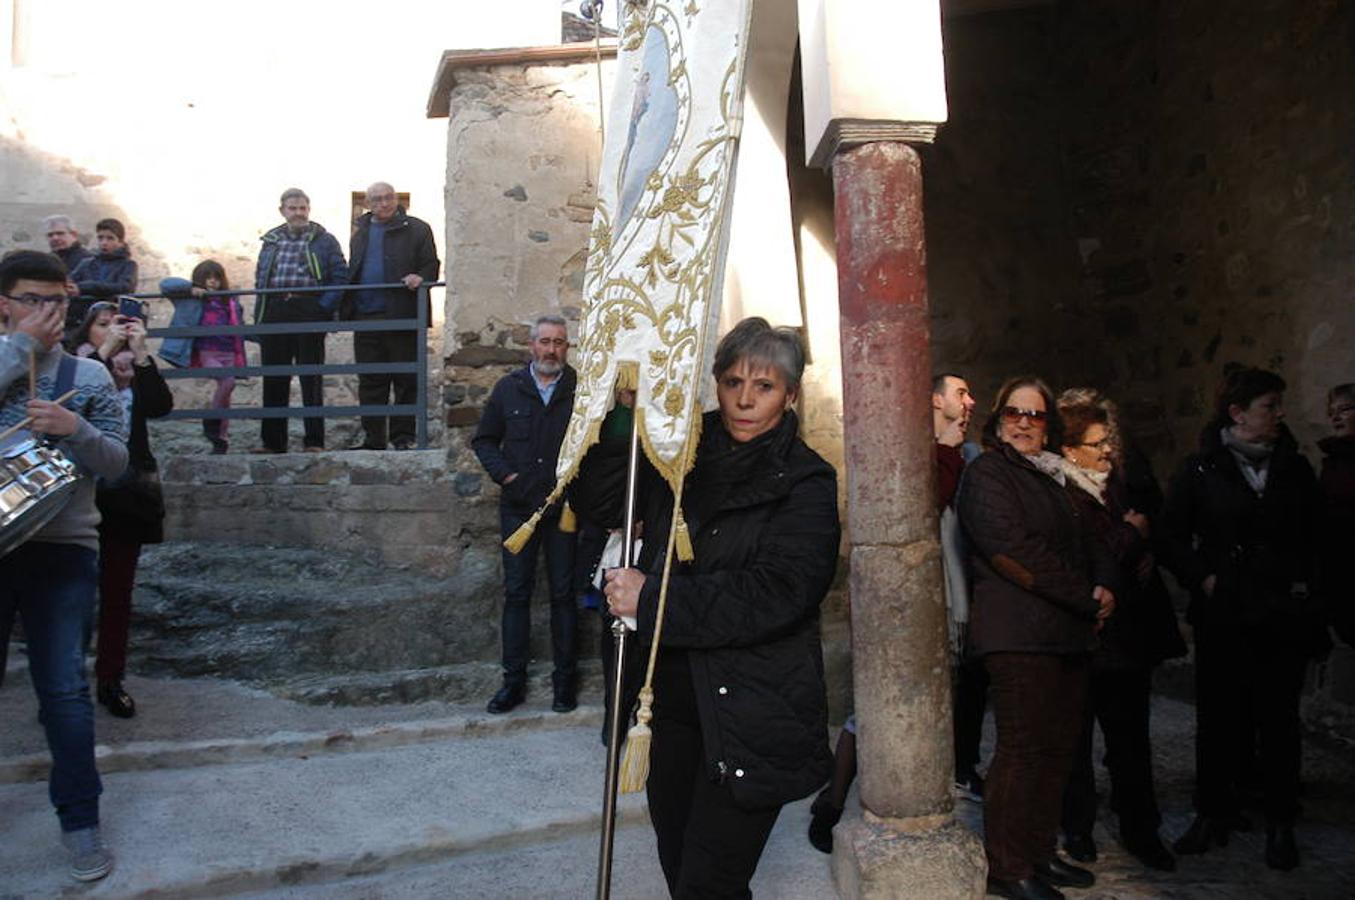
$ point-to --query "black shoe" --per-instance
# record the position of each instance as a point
(366, 445)
(1282, 851)
(823, 816)
(509, 696)
(564, 701)
(405, 443)
(118, 701)
(1148, 849)
(1024, 889)
(1203, 833)
(1080, 847)
(1062, 874)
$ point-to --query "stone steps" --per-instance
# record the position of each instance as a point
(323, 626)
(284, 799)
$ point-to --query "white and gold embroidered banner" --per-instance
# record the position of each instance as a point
(656, 262)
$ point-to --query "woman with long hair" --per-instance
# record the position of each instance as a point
(131, 507)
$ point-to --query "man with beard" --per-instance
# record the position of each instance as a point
(952, 404)
(518, 442)
(296, 254)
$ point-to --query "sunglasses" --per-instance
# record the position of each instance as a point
(1013, 414)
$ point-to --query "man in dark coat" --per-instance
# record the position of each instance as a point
(518, 443)
(64, 241)
(297, 254)
(388, 246)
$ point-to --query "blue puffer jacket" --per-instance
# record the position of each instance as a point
(325, 259)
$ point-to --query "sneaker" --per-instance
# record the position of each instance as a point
(89, 860)
(969, 787)
(405, 443)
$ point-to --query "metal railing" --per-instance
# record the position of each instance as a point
(419, 367)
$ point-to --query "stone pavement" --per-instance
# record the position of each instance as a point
(217, 790)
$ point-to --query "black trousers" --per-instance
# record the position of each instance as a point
(376, 389)
(709, 847)
(1119, 702)
(1037, 701)
(519, 582)
(971, 697)
(1243, 672)
(286, 350)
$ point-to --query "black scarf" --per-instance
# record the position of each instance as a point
(723, 465)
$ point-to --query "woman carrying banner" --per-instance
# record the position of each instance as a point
(740, 716)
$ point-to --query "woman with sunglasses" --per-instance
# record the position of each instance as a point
(1141, 634)
(1042, 587)
(131, 507)
(1240, 531)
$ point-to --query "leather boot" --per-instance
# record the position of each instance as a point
(1202, 834)
(1031, 888)
(1282, 851)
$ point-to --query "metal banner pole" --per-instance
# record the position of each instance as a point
(619, 632)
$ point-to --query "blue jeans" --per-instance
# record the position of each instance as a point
(519, 580)
(51, 587)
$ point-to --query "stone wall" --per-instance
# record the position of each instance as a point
(1139, 195)
(1209, 193)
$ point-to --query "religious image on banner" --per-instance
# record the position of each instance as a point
(652, 283)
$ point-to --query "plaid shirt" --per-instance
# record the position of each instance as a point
(289, 266)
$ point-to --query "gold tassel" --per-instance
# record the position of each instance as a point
(684, 539)
(635, 763)
(569, 523)
(518, 539)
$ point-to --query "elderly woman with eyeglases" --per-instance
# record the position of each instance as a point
(1141, 634)
(1042, 587)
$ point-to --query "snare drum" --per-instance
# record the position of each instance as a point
(36, 481)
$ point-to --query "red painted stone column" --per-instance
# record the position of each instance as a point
(901, 665)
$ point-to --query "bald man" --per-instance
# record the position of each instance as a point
(389, 246)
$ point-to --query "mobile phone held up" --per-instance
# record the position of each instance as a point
(131, 309)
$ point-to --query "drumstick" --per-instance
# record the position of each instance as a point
(20, 426)
(32, 373)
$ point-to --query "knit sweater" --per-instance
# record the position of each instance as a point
(98, 446)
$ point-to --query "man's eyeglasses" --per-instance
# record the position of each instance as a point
(1015, 414)
(34, 299)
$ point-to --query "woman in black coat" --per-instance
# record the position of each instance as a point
(1041, 585)
(132, 509)
(740, 716)
(1337, 482)
(1141, 634)
(1240, 529)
